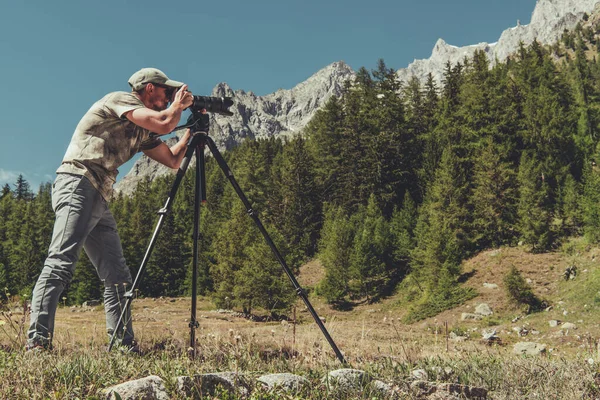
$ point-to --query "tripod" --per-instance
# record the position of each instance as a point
(200, 126)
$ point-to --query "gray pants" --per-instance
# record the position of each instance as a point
(82, 220)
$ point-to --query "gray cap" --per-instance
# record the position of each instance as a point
(151, 75)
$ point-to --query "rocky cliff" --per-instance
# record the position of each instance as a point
(281, 113)
(287, 111)
(548, 21)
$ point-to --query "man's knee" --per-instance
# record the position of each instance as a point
(58, 268)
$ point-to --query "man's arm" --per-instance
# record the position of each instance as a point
(170, 156)
(162, 122)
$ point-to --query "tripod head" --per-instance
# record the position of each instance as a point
(199, 121)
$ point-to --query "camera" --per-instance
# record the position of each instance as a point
(219, 105)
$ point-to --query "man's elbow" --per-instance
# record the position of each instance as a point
(174, 164)
(163, 128)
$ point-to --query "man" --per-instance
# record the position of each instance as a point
(114, 129)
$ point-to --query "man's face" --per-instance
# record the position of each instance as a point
(161, 96)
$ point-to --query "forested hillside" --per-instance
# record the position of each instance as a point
(390, 192)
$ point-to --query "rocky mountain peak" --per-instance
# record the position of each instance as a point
(283, 112)
(222, 90)
(548, 21)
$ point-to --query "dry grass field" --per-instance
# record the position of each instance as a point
(371, 336)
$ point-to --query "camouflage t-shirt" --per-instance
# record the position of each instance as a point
(105, 139)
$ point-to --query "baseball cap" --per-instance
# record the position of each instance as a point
(151, 75)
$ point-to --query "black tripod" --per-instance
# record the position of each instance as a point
(199, 124)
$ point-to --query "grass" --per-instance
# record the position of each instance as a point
(373, 337)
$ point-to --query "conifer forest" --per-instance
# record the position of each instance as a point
(391, 186)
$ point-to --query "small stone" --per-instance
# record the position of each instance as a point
(347, 378)
(553, 323)
(483, 309)
(529, 348)
(490, 335)
(287, 382)
(420, 375)
(150, 387)
(210, 383)
(490, 285)
(470, 317)
(568, 325)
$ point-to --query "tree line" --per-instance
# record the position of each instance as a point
(391, 186)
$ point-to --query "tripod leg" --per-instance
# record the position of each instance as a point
(200, 196)
(301, 292)
(163, 213)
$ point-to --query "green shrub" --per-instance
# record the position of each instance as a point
(519, 291)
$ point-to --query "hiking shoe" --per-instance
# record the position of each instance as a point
(132, 348)
(36, 349)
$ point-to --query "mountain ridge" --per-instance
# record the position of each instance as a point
(287, 111)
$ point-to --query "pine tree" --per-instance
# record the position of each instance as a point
(335, 247)
(535, 206)
(370, 263)
(296, 212)
(22, 189)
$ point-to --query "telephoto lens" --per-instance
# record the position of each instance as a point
(219, 105)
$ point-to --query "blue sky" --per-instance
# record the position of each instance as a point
(59, 57)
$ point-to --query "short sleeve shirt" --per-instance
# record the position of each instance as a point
(105, 139)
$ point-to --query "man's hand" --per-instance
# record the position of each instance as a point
(171, 157)
(183, 98)
(162, 122)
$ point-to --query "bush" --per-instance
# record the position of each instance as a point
(519, 291)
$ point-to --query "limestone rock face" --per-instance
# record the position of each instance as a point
(284, 112)
(548, 21)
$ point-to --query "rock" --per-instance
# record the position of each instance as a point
(422, 388)
(279, 114)
(92, 303)
(347, 379)
(549, 20)
(521, 330)
(210, 384)
(490, 336)
(457, 338)
(570, 273)
(384, 390)
(490, 285)
(149, 388)
(419, 375)
(446, 391)
(470, 317)
(462, 391)
(529, 348)
(287, 382)
(568, 325)
(483, 309)
(553, 323)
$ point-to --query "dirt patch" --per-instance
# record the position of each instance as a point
(542, 272)
(311, 273)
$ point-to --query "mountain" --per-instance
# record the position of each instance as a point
(284, 112)
(549, 20)
(288, 111)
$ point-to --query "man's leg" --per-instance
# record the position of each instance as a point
(75, 201)
(103, 247)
